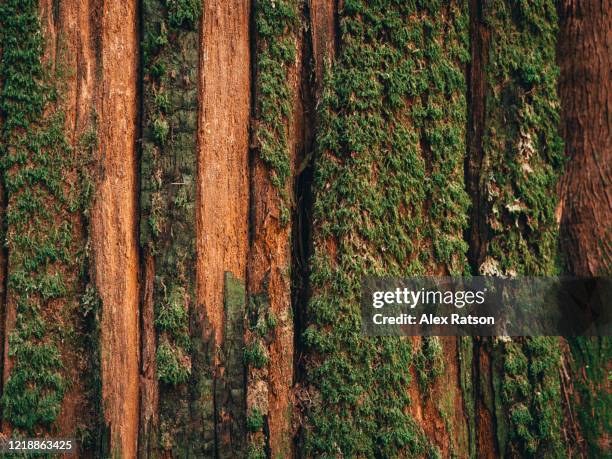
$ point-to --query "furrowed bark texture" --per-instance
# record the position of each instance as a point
(192, 192)
(586, 195)
(389, 200)
(586, 92)
(175, 367)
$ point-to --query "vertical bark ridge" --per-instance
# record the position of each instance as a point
(171, 372)
(276, 142)
(48, 141)
(585, 40)
(222, 184)
(514, 160)
(114, 222)
(388, 172)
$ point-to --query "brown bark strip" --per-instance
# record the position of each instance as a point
(114, 223)
(585, 87)
(223, 145)
(269, 270)
(585, 208)
(149, 391)
(223, 152)
(71, 49)
(477, 232)
(323, 19)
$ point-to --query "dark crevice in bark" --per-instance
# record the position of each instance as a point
(301, 231)
(4, 284)
(476, 233)
(146, 426)
(484, 398)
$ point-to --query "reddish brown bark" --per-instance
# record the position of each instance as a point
(222, 196)
(223, 193)
(323, 16)
(585, 209)
(585, 87)
(114, 217)
(270, 273)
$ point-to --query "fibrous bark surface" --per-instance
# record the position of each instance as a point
(192, 191)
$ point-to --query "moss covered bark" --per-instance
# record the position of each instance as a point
(520, 156)
(48, 190)
(389, 200)
(168, 200)
(275, 139)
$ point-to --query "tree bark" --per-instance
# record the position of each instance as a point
(193, 191)
(586, 195)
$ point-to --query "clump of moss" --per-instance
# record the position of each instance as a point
(522, 147)
(256, 355)
(255, 420)
(256, 452)
(389, 200)
(183, 13)
(531, 394)
(428, 362)
(171, 366)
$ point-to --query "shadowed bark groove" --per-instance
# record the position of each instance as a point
(477, 232)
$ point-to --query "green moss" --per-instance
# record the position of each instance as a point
(389, 200)
(523, 158)
(183, 13)
(171, 366)
(522, 147)
(255, 420)
(45, 249)
(256, 452)
(531, 396)
(277, 23)
(256, 355)
(428, 362)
